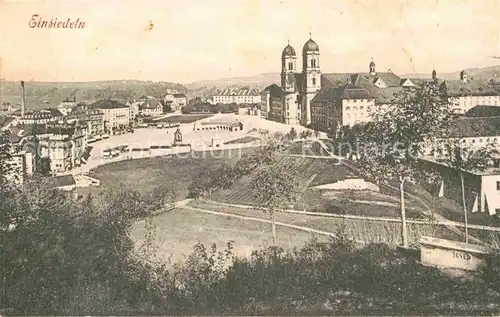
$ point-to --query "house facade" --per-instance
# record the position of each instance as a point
(467, 93)
(177, 101)
(238, 96)
(270, 106)
(482, 188)
(115, 114)
(151, 107)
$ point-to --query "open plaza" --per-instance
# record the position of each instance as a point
(204, 135)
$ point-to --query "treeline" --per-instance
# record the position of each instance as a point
(67, 258)
(197, 106)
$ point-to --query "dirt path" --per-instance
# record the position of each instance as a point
(282, 224)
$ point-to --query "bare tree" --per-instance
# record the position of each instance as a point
(466, 159)
(397, 135)
(275, 187)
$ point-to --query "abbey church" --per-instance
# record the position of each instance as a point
(328, 101)
(299, 88)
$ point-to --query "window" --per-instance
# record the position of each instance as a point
(313, 63)
(347, 108)
(480, 140)
(361, 107)
(498, 185)
(473, 141)
(355, 108)
(314, 81)
(290, 66)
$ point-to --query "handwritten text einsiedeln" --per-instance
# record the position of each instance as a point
(55, 23)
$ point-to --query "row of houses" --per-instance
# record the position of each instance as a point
(237, 96)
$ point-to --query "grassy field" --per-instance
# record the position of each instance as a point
(325, 172)
(364, 230)
(184, 118)
(168, 173)
(179, 230)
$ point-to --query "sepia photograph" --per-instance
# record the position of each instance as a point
(249, 158)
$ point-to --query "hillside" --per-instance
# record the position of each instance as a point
(50, 94)
(260, 81)
(482, 73)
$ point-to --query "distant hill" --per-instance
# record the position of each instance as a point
(258, 81)
(263, 80)
(479, 73)
(50, 94)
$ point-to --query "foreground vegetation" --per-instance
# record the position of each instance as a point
(64, 258)
(67, 257)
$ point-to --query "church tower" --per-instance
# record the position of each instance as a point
(290, 107)
(463, 76)
(288, 67)
(372, 68)
(311, 78)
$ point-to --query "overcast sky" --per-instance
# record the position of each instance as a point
(209, 39)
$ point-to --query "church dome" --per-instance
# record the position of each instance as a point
(288, 51)
(310, 46)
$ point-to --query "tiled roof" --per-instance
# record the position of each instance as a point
(351, 91)
(334, 79)
(180, 96)
(274, 90)
(389, 78)
(238, 92)
(54, 112)
(40, 114)
(348, 91)
(107, 104)
(421, 81)
(475, 127)
(64, 180)
(150, 104)
(4, 120)
(471, 87)
(483, 111)
(15, 134)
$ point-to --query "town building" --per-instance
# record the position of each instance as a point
(116, 114)
(270, 107)
(482, 188)
(354, 101)
(61, 144)
(238, 96)
(134, 109)
(150, 107)
(230, 125)
(177, 101)
(66, 106)
(40, 116)
(94, 118)
(469, 92)
(64, 145)
(340, 93)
